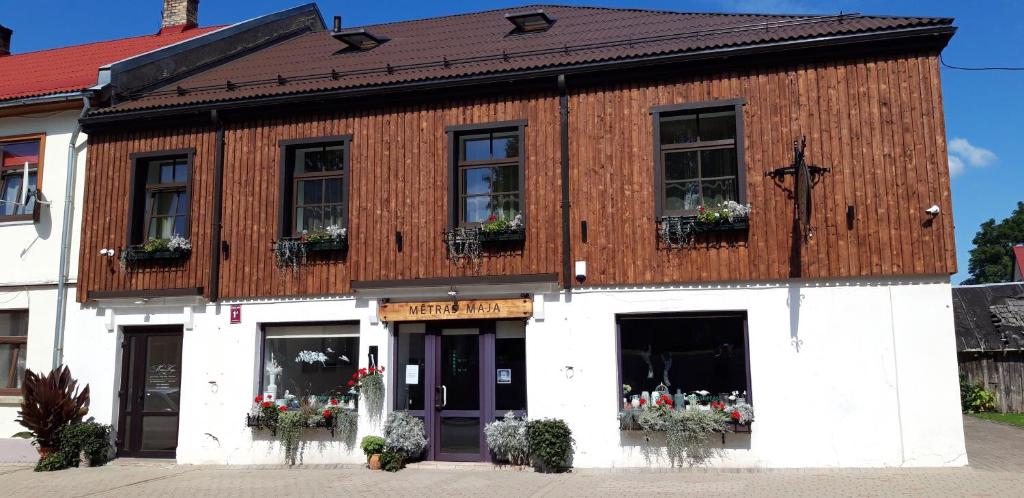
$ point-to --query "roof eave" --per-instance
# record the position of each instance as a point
(940, 34)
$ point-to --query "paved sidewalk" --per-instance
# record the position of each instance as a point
(998, 471)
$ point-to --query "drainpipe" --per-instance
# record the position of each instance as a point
(218, 196)
(563, 109)
(65, 238)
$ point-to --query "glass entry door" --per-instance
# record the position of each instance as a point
(150, 393)
(458, 428)
(457, 376)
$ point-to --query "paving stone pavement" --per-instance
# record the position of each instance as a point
(998, 451)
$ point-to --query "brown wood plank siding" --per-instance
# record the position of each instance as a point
(876, 121)
(1001, 372)
(106, 207)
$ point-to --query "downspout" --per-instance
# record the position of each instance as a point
(65, 237)
(563, 110)
(218, 197)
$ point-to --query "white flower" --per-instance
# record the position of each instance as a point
(702, 392)
(336, 231)
(311, 357)
(179, 243)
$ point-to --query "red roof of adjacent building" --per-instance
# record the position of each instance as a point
(1018, 262)
(70, 69)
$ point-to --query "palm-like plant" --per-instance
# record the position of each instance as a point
(50, 403)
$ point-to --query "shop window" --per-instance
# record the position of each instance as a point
(161, 195)
(13, 343)
(698, 156)
(685, 353)
(305, 360)
(314, 188)
(19, 179)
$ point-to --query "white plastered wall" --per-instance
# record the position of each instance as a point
(857, 373)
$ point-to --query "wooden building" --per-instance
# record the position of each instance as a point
(525, 209)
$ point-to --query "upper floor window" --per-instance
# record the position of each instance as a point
(699, 156)
(488, 170)
(315, 185)
(19, 176)
(13, 342)
(160, 200)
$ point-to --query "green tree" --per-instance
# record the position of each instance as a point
(992, 256)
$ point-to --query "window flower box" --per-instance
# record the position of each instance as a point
(678, 231)
(468, 242)
(293, 251)
(173, 249)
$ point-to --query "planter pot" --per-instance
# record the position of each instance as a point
(45, 451)
(84, 460)
(374, 461)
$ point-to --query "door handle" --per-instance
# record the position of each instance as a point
(444, 395)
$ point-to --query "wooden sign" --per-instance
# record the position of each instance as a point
(463, 309)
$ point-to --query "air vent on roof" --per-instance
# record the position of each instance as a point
(530, 21)
(356, 38)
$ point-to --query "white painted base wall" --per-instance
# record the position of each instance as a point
(855, 373)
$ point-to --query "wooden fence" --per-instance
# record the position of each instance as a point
(1000, 372)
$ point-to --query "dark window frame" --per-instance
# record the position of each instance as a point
(455, 165)
(41, 138)
(659, 112)
(288, 183)
(744, 314)
(20, 342)
(139, 215)
(263, 344)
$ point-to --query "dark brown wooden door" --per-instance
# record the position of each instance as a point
(150, 393)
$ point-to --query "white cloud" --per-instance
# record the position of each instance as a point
(956, 165)
(974, 156)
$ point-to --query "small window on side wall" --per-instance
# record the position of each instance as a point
(698, 156)
(314, 187)
(19, 179)
(13, 344)
(161, 199)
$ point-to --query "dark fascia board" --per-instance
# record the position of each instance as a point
(532, 278)
(935, 37)
(149, 293)
(699, 105)
(246, 33)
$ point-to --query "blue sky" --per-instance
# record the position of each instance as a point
(984, 110)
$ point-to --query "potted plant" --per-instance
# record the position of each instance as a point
(175, 247)
(507, 439)
(369, 384)
(678, 231)
(550, 443)
(467, 242)
(291, 252)
(404, 438)
(50, 403)
(372, 447)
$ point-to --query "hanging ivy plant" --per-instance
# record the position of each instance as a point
(347, 423)
(464, 244)
(369, 383)
(289, 253)
(289, 433)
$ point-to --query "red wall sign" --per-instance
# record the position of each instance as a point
(236, 313)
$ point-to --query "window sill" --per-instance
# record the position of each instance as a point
(136, 254)
(18, 219)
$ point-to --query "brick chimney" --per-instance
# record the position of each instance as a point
(180, 13)
(5, 40)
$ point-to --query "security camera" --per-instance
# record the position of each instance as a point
(106, 252)
(933, 211)
(581, 271)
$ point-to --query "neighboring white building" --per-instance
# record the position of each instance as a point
(42, 95)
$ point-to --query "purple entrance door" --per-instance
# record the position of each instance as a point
(447, 374)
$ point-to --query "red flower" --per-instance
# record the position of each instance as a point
(270, 396)
(334, 402)
(362, 371)
(351, 383)
(258, 399)
(701, 209)
(492, 217)
(327, 413)
(736, 415)
(382, 369)
(267, 404)
(282, 408)
(643, 402)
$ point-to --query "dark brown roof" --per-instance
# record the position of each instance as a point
(989, 317)
(460, 46)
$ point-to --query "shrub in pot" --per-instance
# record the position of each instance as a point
(78, 445)
(404, 438)
(50, 403)
(372, 447)
(507, 439)
(550, 442)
